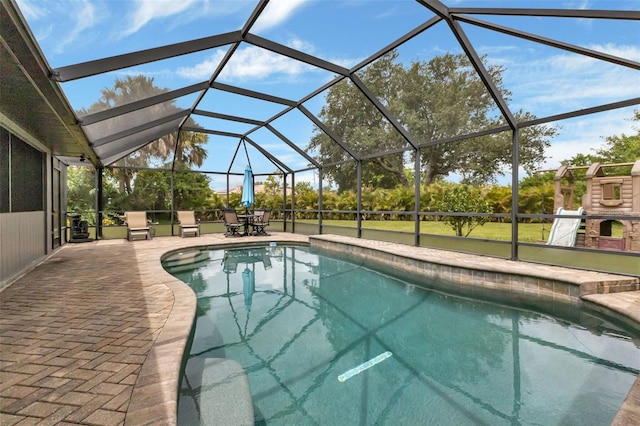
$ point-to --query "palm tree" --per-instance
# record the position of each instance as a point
(189, 150)
(133, 88)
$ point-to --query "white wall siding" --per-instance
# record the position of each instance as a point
(21, 243)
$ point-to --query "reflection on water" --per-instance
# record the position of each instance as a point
(297, 321)
(248, 257)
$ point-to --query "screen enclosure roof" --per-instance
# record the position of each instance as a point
(252, 76)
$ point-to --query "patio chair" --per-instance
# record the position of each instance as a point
(257, 214)
(261, 222)
(189, 225)
(137, 226)
(232, 223)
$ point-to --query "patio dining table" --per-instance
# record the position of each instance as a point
(248, 221)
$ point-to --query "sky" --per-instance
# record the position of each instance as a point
(542, 80)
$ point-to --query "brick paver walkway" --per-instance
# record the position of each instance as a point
(74, 334)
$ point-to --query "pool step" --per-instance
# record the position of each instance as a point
(225, 398)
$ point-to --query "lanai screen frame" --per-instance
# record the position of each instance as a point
(453, 17)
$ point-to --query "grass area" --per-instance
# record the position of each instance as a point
(528, 232)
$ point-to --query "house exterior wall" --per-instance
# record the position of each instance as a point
(22, 243)
(25, 226)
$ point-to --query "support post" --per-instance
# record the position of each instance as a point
(173, 210)
(99, 203)
(416, 197)
(228, 206)
(515, 156)
(320, 201)
(359, 207)
(284, 202)
(293, 202)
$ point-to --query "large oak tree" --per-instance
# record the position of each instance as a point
(434, 101)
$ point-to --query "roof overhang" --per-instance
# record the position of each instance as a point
(29, 99)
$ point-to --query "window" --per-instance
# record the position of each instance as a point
(21, 175)
(4, 170)
(611, 194)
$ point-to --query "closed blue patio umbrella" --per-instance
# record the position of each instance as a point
(247, 188)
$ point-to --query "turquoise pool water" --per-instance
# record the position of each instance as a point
(329, 342)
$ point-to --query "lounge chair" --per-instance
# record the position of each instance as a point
(231, 222)
(261, 222)
(137, 226)
(188, 224)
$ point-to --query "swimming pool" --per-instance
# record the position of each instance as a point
(325, 341)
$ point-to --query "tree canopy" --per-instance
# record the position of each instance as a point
(435, 100)
(462, 198)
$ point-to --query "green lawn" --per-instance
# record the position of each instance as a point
(528, 232)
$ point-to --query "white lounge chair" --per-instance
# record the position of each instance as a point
(137, 226)
(189, 225)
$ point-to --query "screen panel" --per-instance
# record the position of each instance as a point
(26, 177)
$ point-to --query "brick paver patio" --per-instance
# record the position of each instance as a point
(75, 333)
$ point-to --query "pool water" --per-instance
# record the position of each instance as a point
(329, 342)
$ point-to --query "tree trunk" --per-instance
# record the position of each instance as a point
(399, 173)
(429, 174)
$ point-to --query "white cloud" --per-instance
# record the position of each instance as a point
(256, 63)
(147, 10)
(181, 13)
(33, 9)
(251, 62)
(585, 134)
(202, 70)
(293, 160)
(302, 45)
(623, 51)
(214, 9)
(276, 12)
(86, 15)
(565, 81)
